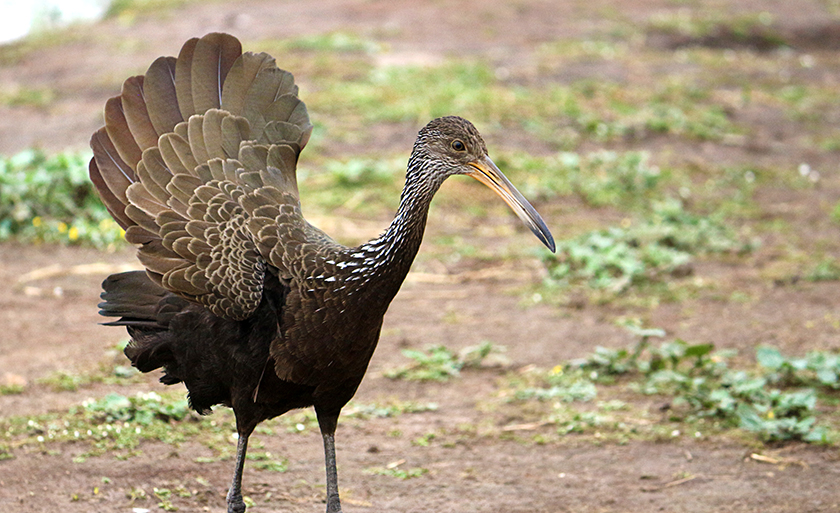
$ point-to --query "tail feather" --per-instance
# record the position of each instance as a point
(138, 301)
(167, 332)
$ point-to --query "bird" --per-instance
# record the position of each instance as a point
(242, 299)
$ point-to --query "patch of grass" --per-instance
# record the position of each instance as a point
(63, 381)
(664, 244)
(601, 178)
(703, 386)
(51, 199)
(559, 114)
(399, 473)
(390, 409)
(128, 10)
(12, 389)
(117, 424)
(439, 363)
(265, 461)
(713, 28)
(27, 96)
(776, 400)
(558, 384)
(339, 41)
(15, 52)
(827, 269)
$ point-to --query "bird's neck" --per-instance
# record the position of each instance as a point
(389, 257)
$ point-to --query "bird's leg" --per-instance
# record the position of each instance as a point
(234, 497)
(327, 423)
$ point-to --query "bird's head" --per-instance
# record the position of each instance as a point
(452, 146)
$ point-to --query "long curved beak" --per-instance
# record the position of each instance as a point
(487, 173)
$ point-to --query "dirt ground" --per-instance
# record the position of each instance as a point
(48, 296)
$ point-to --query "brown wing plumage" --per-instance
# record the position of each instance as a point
(197, 162)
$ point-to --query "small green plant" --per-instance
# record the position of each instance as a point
(265, 461)
(397, 472)
(142, 409)
(703, 385)
(439, 363)
(27, 97)
(610, 178)
(816, 369)
(560, 383)
(51, 199)
(63, 381)
(827, 269)
(12, 388)
(334, 42)
(664, 244)
(392, 409)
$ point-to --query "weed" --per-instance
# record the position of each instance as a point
(827, 269)
(559, 383)
(700, 381)
(399, 473)
(51, 199)
(438, 363)
(265, 461)
(816, 369)
(39, 97)
(12, 389)
(130, 9)
(164, 496)
(334, 42)
(714, 29)
(617, 258)
(392, 409)
(63, 381)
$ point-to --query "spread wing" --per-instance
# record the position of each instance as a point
(197, 161)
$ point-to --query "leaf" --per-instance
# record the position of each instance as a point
(769, 357)
(749, 419)
(699, 350)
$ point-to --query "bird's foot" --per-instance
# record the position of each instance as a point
(235, 503)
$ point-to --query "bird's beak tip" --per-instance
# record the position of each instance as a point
(486, 172)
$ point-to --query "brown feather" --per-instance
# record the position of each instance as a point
(157, 172)
(240, 78)
(214, 55)
(113, 170)
(176, 153)
(161, 97)
(119, 133)
(195, 135)
(183, 79)
(136, 115)
(142, 199)
(115, 207)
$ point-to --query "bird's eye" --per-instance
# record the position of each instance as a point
(458, 145)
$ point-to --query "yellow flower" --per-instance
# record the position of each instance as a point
(36, 221)
(73, 234)
(62, 227)
(771, 414)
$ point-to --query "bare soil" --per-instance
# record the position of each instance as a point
(48, 297)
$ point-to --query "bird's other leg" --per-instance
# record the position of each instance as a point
(327, 423)
(235, 503)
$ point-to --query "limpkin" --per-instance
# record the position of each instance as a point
(243, 300)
